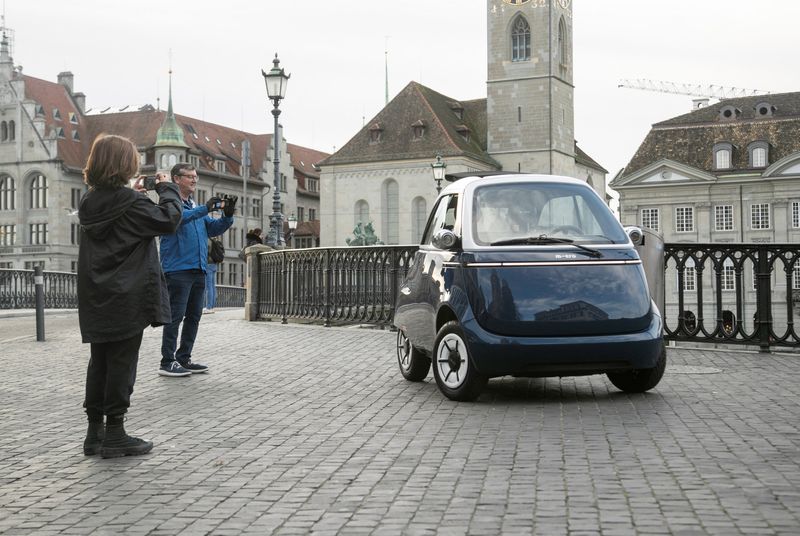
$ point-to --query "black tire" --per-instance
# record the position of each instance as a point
(414, 365)
(453, 369)
(639, 381)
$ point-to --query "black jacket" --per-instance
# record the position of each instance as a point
(121, 288)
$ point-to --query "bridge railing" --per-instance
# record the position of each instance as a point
(732, 293)
(347, 284)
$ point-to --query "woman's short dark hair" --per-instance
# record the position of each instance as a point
(113, 161)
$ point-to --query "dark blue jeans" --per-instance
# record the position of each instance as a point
(186, 297)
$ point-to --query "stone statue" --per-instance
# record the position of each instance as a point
(363, 235)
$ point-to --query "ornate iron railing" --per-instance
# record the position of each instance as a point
(349, 284)
(732, 293)
(18, 290)
(230, 296)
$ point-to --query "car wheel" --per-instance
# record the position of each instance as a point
(454, 371)
(641, 380)
(414, 365)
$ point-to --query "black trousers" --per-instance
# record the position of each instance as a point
(110, 377)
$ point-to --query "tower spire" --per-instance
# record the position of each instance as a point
(170, 133)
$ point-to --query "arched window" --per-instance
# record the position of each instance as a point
(391, 212)
(3, 131)
(419, 216)
(12, 135)
(759, 154)
(38, 191)
(173, 159)
(520, 39)
(164, 163)
(361, 212)
(7, 193)
(723, 156)
(562, 45)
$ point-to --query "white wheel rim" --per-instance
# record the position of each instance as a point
(403, 351)
(451, 360)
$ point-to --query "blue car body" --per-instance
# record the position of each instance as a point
(561, 292)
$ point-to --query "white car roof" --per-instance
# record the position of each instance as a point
(462, 184)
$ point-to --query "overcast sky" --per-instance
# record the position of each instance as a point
(119, 53)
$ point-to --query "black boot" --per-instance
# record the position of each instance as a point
(94, 438)
(117, 443)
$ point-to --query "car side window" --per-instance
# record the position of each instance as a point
(443, 217)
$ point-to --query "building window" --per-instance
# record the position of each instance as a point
(728, 279)
(30, 265)
(723, 218)
(75, 198)
(256, 204)
(758, 152)
(12, 134)
(7, 193)
(759, 216)
(796, 214)
(464, 131)
(38, 191)
(723, 153)
(419, 217)
(764, 109)
(361, 212)
(391, 212)
(38, 233)
(418, 129)
(194, 160)
(8, 235)
(3, 131)
(375, 133)
(221, 166)
(283, 183)
(312, 184)
(684, 219)
(75, 234)
(300, 214)
(729, 113)
(520, 40)
(689, 277)
(312, 214)
(73, 118)
(796, 277)
(650, 218)
(562, 46)
(56, 114)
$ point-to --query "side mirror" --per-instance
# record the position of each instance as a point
(635, 234)
(444, 239)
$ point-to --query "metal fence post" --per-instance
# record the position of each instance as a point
(285, 285)
(38, 280)
(763, 290)
(326, 281)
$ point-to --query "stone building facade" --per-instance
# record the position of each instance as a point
(725, 173)
(383, 174)
(45, 137)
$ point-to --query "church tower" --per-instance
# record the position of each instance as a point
(530, 104)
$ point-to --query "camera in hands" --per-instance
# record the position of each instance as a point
(149, 182)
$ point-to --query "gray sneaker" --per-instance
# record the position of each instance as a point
(174, 370)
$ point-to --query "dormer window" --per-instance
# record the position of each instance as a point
(60, 132)
(464, 131)
(764, 109)
(76, 136)
(375, 133)
(221, 166)
(419, 129)
(38, 110)
(729, 113)
(723, 156)
(758, 152)
(56, 114)
(73, 118)
(457, 109)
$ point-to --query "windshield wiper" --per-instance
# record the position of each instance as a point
(544, 239)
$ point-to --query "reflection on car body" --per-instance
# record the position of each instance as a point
(526, 275)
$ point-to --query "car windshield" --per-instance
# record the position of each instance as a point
(513, 213)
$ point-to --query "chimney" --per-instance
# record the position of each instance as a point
(699, 103)
(80, 101)
(65, 79)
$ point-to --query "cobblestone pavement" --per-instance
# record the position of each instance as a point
(302, 429)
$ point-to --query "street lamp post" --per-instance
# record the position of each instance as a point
(438, 172)
(292, 227)
(276, 80)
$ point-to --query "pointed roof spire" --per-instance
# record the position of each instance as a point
(170, 133)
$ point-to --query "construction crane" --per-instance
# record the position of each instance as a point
(695, 90)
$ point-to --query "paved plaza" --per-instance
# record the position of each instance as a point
(302, 429)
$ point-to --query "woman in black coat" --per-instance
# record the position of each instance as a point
(121, 289)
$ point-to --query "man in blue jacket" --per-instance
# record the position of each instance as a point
(183, 259)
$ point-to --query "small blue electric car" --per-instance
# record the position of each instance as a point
(530, 276)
